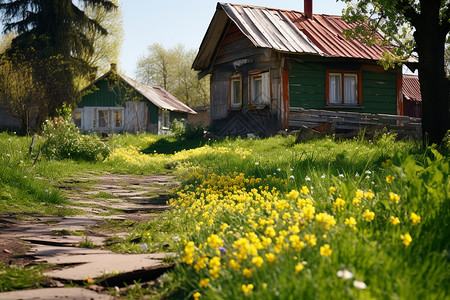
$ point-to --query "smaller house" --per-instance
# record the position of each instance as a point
(412, 98)
(117, 103)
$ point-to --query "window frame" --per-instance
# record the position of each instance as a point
(259, 74)
(107, 120)
(343, 74)
(165, 115)
(232, 103)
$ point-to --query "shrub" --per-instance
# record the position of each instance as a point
(186, 131)
(64, 140)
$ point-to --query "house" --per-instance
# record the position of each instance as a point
(117, 103)
(266, 64)
(412, 98)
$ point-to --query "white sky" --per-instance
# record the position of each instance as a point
(170, 22)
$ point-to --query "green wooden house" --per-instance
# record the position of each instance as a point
(117, 103)
(267, 65)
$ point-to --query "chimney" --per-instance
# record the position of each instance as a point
(114, 67)
(308, 9)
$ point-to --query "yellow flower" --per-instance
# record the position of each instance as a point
(293, 194)
(257, 261)
(204, 282)
(304, 190)
(247, 272)
(351, 222)
(415, 218)
(270, 231)
(215, 241)
(356, 201)
(298, 268)
(394, 220)
(369, 195)
(369, 215)
(339, 204)
(270, 257)
(197, 295)
(359, 193)
(325, 250)
(390, 179)
(310, 239)
(406, 238)
(332, 190)
(394, 197)
(247, 289)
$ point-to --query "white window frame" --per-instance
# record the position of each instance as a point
(110, 118)
(235, 102)
(165, 119)
(341, 99)
(107, 119)
(120, 111)
(260, 95)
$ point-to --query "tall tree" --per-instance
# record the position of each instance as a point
(171, 69)
(51, 35)
(429, 23)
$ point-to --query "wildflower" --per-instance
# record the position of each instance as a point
(344, 274)
(291, 177)
(304, 190)
(247, 289)
(293, 194)
(270, 257)
(310, 239)
(196, 296)
(325, 250)
(176, 238)
(406, 239)
(339, 204)
(323, 176)
(222, 250)
(215, 241)
(307, 178)
(247, 273)
(332, 190)
(360, 285)
(298, 268)
(204, 283)
(415, 219)
(351, 222)
(359, 194)
(394, 220)
(256, 163)
(394, 197)
(270, 231)
(341, 175)
(390, 179)
(144, 247)
(234, 265)
(278, 170)
(369, 215)
(357, 174)
(257, 261)
(356, 202)
(369, 195)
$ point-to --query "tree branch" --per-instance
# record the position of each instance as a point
(405, 8)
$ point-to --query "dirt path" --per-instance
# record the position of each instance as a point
(56, 240)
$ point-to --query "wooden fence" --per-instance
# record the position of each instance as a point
(350, 121)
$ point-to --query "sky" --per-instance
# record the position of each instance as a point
(172, 22)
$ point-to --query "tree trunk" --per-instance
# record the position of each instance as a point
(430, 40)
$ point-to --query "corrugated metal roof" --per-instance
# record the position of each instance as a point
(286, 31)
(269, 28)
(411, 88)
(158, 96)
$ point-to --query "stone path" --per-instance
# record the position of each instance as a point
(51, 240)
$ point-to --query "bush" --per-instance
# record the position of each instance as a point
(64, 140)
(186, 131)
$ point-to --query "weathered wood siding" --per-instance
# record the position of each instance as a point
(104, 96)
(307, 85)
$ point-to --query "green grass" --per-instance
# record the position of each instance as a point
(16, 278)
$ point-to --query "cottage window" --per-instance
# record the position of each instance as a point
(343, 88)
(103, 118)
(260, 89)
(165, 119)
(236, 91)
(118, 118)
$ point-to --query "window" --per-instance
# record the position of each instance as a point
(103, 120)
(260, 89)
(165, 119)
(236, 91)
(343, 88)
(118, 118)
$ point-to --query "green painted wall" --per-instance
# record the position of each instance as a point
(307, 87)
(105, 97)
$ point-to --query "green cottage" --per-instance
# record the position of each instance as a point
(117, 103)
(274, 69)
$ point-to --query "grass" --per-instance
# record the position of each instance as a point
(15, 278)
(238, 193)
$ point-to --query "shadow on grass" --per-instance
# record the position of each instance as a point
(170, 145)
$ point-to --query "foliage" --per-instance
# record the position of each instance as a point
(411, 27)
(187, 131)
(171, 69)
(64, 140)
(51, 36)
(15, 278)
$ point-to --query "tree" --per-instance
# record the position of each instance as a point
(52, 37)
(171, 69)
(428, 23)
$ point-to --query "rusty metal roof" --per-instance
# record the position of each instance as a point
(285, 31)
(158, 96)
(411, 88)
